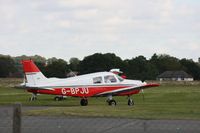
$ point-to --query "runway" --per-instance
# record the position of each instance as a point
(53, 124)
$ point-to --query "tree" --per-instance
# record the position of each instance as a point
(74, 64)
(35, 58)
(141, 68)
(100, 62)
(7, 66)
(57, 68)
(51, 60)
(135, 68)
(191, 67)
(165, 62)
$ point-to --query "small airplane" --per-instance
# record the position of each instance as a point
(97, 84)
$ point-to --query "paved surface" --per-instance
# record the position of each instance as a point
(32, 124)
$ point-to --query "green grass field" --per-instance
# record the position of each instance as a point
(175, 101)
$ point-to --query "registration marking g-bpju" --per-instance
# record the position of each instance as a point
(74, 91)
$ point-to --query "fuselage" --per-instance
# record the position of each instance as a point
(88, 85)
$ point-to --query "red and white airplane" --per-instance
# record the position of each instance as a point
(89, 85)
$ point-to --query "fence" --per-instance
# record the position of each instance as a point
(12, 121)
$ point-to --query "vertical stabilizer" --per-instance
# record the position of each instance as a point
(33, 75)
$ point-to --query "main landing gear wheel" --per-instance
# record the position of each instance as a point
(84, 102)
(58, 98)
(112, 103)
(130, 101)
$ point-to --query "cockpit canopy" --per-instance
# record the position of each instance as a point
(107, 79)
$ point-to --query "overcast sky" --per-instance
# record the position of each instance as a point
(77, 28)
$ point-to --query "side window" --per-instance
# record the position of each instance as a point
(97, 80)
(110, 79)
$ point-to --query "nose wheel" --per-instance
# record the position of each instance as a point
(111, 101)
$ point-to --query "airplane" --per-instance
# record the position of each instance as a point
(99, 84)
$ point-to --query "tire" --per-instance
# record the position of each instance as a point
(57, 99)
(112, 103)
(84, 102)
(108, 101)
(130, 102)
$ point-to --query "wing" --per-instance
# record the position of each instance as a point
(128, 89)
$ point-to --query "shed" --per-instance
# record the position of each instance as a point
(175, 76)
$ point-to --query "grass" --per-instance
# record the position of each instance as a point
(165, 102)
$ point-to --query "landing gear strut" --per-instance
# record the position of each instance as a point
(111, 101)
(130, 101)
(84, 102)
(33, 97)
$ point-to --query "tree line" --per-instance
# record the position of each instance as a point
(136, 68)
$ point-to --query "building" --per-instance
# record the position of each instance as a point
(175, 76)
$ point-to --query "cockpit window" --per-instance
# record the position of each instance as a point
(97, 80)
(110, 79)
(120, 78)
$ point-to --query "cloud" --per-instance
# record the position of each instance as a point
(91, 3)
(85, 13)
(166, 9)
(64, 24)
(82, 27)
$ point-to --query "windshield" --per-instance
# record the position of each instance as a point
(120, 78)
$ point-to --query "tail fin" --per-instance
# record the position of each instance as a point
(33, 75)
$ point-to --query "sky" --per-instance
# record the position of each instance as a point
(78, 28)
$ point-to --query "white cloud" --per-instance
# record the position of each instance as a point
(166, 9)
(53, 16)
(92, 3)
(85, 13)
(192, 46)
(64, 24)
(116, 20)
